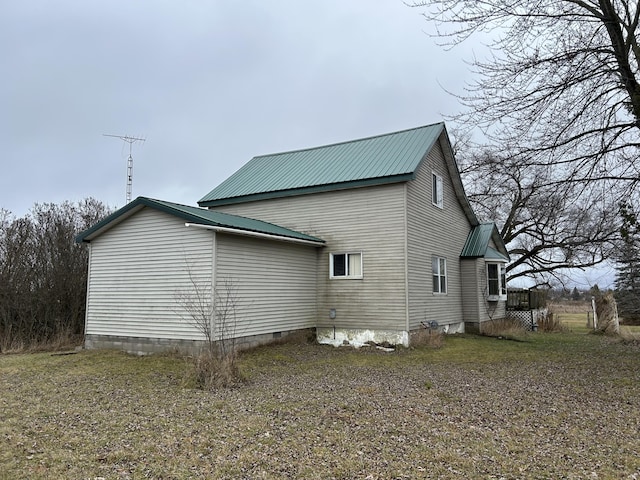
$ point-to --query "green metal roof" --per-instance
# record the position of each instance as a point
(194, 215)
(477, 244)
(389, 158)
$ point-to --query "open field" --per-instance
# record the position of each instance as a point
(552, 406)
(573, 315)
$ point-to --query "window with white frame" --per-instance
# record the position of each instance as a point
(496, 281)
(436, 190)
(439, 269)
(345, 265)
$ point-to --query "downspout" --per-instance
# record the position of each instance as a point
(406, 263)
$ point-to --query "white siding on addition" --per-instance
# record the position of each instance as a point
(272, 283)
(137, 269)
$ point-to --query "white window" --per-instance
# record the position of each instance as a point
(439, 268)
(436, 190)
(345, 265)
(496, 281)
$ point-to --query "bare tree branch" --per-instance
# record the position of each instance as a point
(557, 106)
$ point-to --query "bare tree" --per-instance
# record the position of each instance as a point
(547, 227)
(43, 273)
(212, 310)
(559, 98)
(562, 86)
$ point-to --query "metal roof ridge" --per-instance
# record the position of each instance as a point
(345, 142)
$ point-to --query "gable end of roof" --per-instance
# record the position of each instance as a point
(196, 216)
(477, 244)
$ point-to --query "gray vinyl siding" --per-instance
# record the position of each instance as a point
(434, 231)
(370, 220)
(470, 270)
(475, 287)
(136, 270)
(274, 283)
(472, 297)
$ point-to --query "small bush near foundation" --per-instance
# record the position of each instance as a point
(504, 327)
(214, 371)
(550, 323)
(426, 337)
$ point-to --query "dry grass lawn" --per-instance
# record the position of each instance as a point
(563, 405)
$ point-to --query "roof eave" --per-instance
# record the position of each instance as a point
(499, 242)
(454, 173)
(254, 233)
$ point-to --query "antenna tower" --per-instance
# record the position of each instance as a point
(130, 141)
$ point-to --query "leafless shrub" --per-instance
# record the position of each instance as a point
(503, 327)
(426, 337)
(213, 315)
(551, 323)
(63, 339)
(213, 371)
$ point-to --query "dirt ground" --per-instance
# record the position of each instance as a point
(549, 406)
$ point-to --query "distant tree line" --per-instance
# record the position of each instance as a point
(561, 293)
(43, 273)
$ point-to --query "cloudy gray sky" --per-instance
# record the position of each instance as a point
(209, 84)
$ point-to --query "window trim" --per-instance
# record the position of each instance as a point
(502, 281)
(439, 275)
(437, 190)
(346, 276)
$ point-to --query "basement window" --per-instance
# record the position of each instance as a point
(496, 281)
(345, 265)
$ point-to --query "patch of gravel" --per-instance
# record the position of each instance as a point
(312, 412)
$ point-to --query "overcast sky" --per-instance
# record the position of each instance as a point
(208, 84)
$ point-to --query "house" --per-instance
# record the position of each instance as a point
(366, 240)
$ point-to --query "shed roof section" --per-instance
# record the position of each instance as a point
(477, 244)
(388, 158)
(195, 215)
